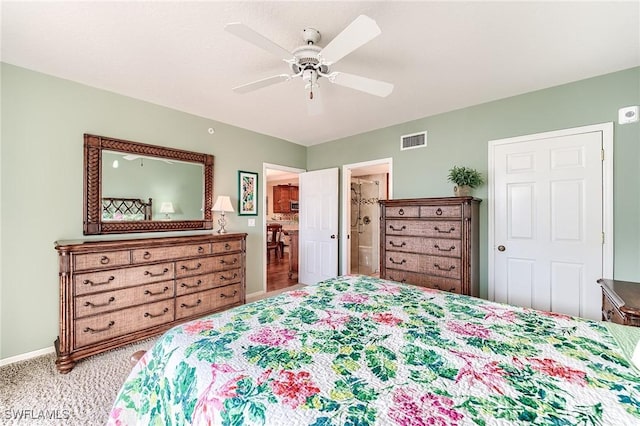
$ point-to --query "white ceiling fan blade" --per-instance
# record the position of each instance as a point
(259, 84)
(362, 30)
(364, 84)
(249, 35)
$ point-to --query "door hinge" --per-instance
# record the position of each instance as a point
(602, 155)
(603, 238)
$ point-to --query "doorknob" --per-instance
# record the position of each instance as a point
(501, 248)
(333, 236)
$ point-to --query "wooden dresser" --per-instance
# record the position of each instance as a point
(431, 242)
(116, 292)
(620, 301)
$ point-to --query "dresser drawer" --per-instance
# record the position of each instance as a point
(407, 211)
(439, 283)
(172, 252)
(226, 246)
(82, 262)
(611, 313)
(206, 301)
(424, 228)
(207, 264)
(97, 303)
(441, 211)
(432, 265)
(441, 247)
(118, 323)
(127, 277)
(188, 285)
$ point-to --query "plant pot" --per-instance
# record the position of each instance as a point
(462, 191)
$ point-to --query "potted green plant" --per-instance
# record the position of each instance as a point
(465, 178)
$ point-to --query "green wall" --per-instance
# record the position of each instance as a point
(43, 122)
(461, 138)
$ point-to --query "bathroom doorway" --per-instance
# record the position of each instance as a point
(364, 185)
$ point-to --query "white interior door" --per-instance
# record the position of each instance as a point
(318, 226)
(548, 221)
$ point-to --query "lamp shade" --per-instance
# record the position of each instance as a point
(167, 207)
(222, 204)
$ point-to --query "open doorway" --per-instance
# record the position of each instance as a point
(363, 185)
(280, 225)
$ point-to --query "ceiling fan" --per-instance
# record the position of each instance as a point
(311, 62)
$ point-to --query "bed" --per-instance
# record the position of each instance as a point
(126, 209)
(358, 350)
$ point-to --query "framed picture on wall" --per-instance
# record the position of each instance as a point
(247, 193)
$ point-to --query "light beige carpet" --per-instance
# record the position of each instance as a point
(32, 392)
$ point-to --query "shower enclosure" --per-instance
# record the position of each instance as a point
(365, 225)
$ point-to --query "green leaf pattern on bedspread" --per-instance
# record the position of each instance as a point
(362, 351)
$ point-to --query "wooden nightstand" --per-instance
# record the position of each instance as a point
(620, 302)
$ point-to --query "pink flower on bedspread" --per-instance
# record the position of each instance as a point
(210, 402)
(294, 388)
(354, 298)
(469, 329)
(556, 369)
(334, 319)
(298, 293)
(272, 337)
(385, 318)
(499, 313)
(413, 408)
(199, 326)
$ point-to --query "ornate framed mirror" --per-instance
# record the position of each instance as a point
(135, 187)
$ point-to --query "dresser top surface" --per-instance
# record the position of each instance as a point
(628, 292)
(130, 242)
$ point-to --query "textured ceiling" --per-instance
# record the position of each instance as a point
(441, 56)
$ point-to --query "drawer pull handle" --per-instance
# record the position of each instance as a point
(224, 262)
(186, 268)
(444, 249)
(444, 232)
(393, 228)
(439, 212)
(392, 244)
(146, 255)
(224, 295)
(197, 284)
(92, 283)
(222, 277)
(227, 246)
(184, 305)
(450, 268)
(148, 315)
(104, 260)
(99, 330)
(609, 314)
(151, 293)
(397, 263)
(404, 280)
(401, 212)
(159, 274)
(99, 305)
(200, 249)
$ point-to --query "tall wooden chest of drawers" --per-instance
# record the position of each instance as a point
(431, 242)
(116, 292)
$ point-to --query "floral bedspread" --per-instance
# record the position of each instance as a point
(362, 351)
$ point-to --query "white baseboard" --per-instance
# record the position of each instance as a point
(255, 296)
(26, 356)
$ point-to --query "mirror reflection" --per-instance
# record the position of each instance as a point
(137, 187)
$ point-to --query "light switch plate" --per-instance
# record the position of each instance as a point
(628, 114)
(251, 222)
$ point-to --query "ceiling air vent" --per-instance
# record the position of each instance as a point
(415, 140)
